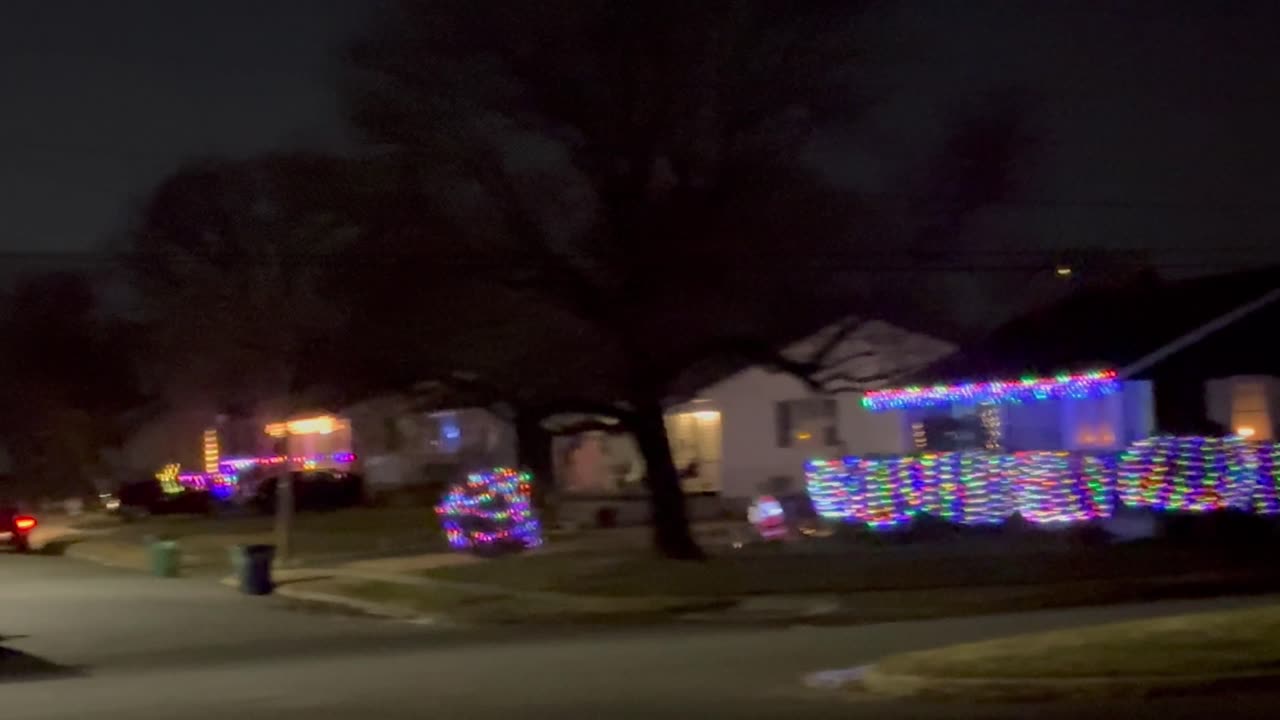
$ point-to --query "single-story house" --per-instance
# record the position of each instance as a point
(749, 433)
(399, 443)
(1104, 368)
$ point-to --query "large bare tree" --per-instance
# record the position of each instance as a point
(627, 197)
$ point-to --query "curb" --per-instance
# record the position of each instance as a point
(364, 607)
(874, 680)
(85, 552)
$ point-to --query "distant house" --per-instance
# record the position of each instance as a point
(399, 443)
(1105, 367)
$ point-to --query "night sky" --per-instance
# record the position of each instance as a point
(1157, 128)
(102, 99)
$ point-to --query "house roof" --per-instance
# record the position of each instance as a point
(1116, 327)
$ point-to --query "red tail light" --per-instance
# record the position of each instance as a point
(24, 523)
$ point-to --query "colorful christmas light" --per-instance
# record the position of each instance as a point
(993, 425)
(234, 466)
(965, 488)
(827, 482)
(1028, 389)
(220, 486)
(1260, 469)
(211, 451)
(490, 510)
(1062, 487)
(168, 478)
(1176, 474)
(883, 494)
(1186, 474)
(223, 483)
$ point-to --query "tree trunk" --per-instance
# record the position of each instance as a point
(533, 452)
(671, 534)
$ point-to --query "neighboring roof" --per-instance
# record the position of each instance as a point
(1115, 327)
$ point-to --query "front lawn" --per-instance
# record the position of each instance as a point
(497, 607)
(1221, 643)
(854, 570)
(354, 532)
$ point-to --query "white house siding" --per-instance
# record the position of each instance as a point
(754, 463)
(753, 460)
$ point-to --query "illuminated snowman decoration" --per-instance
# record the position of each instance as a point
(768, 518)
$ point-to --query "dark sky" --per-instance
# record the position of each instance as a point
(1158, 125)
(1158, 129)
(101, 98)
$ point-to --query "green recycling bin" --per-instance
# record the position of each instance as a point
(164, 558)
(237, 554)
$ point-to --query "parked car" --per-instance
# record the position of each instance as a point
(313, 490)
(17, 527)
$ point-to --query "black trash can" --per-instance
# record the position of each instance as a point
(255, 569)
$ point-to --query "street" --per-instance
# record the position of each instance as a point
(137, 647)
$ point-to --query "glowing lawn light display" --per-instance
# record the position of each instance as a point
(489, 511)
(965, 488)
(768, 518)
(1260, 469)
(1062, 487)
(211, 451)
(1188, 474)
(885, 495)
(1171, 474)
(1028, 389)
(168, 478)
(830, 491)
(223, 483)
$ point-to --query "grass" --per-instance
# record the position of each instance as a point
(1221, 643)
(340, 533)
(497, 607)
(487, 604)
(885, 568)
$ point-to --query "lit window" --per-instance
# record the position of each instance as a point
(803, 421)
(1250, 414)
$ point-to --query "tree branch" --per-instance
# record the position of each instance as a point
(560, 278)
(845, 328)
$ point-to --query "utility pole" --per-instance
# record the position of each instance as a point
(284, 506)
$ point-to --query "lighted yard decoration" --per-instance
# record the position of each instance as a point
(978, 487)
(1260, 467)
(1062, 487)
(768, 518)
(1188, 474)
(491, 512)
(963, 488)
